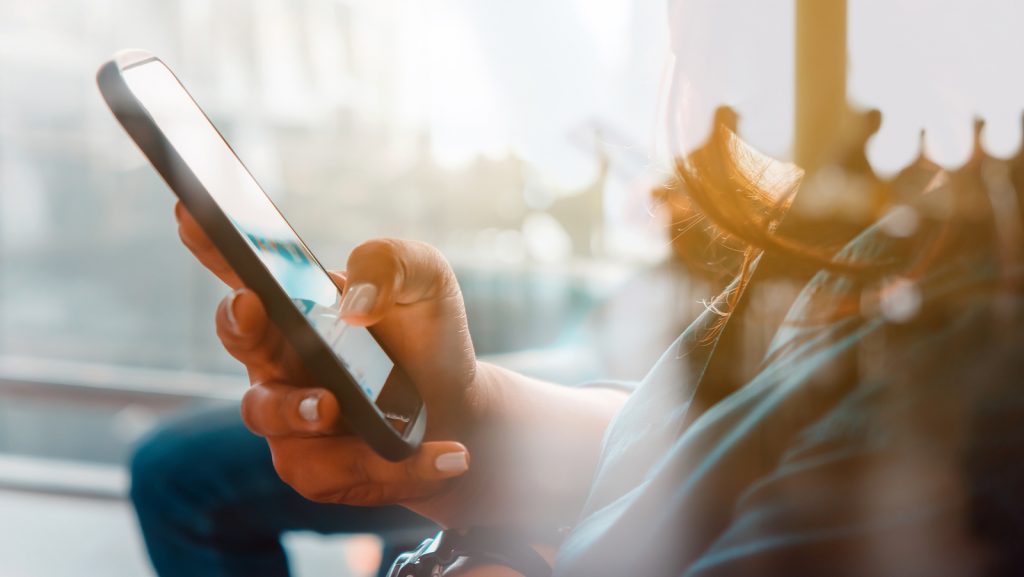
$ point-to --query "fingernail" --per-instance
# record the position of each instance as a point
(359, 299)
(309, 408)
(452, 462)
(230, 311)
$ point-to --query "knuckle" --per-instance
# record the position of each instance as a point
(413, 471)
(378, 248)
(381, 256)
(365, 494)
(435, 260)
(248, 410)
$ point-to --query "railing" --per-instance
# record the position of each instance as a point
(51, 404)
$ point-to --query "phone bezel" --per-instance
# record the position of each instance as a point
(361, 414)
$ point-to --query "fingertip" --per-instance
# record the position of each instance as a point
(245, 311)
(445, 459)
(359, 321)
(316, 410)
(250, 409)
(273, 409)
(456, 463)
(360, 303)
(229, 309)
(189, 231)
(339, 278)
(186, 237)
(311, 410)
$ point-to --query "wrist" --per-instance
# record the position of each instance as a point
(534, 447)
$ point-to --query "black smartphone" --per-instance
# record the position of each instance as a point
(378, 400)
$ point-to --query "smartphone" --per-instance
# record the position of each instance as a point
(378, 400)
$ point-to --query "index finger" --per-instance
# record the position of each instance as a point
(279, 410)
(195, 239)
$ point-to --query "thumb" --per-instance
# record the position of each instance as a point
(416, 477)
(407, 293)
(438, 460)
(386, 272)
(344, 469)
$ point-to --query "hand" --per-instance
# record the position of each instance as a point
(519, 430)
(408, 294)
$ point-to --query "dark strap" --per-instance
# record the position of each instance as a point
(479, 544)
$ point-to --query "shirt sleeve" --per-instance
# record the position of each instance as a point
(848, 512)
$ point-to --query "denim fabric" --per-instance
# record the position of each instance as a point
(799, 472)
(210, 503)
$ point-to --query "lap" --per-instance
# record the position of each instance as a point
(208, 458)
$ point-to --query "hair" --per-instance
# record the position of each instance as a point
(743, 197)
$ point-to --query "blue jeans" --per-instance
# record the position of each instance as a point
(210, 503)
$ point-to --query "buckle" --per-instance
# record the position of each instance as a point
(430, 559)
(439, 552)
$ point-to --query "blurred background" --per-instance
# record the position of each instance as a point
(523, 138)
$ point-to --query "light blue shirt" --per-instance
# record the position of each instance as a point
(801, 471)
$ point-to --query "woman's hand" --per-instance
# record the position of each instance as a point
(408, 293)
(534, 444)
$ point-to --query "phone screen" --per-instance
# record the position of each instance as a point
(256, 218)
